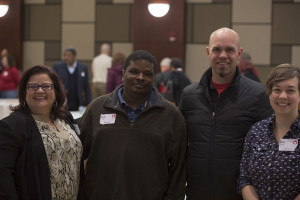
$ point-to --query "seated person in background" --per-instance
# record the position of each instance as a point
(246, 67)
(134, 140)
(270, 166)
(114, 76)
(9, 78)
(40, 150)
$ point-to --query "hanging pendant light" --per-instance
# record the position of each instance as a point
(3, 10)
(158, 8)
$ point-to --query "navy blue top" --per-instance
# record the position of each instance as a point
(132, 113)
(274, 174)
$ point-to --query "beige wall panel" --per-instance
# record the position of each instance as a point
(34, 1)
(80, 36)
(125, 48)
(286, 24)
(263, 72)
(118, 27)
(33, 54)
(204, 22)
(251, 11)
(281, 54)
(45, 22)
(199, 1)
(297, 1)
(256, 40)
(196, 61)
(123, 1)
(296, 55)
(78, 10)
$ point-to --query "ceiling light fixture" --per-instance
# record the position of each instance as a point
(3, 10)
(158, 8)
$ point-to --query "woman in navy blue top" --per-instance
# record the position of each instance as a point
(270, 166)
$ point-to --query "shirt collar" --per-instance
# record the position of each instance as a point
(271, 122)
(123, 102)
(72, 68)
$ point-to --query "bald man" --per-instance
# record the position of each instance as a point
(100, 66)
(219, 110)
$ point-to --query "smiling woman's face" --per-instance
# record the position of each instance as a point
(285, 98)
(40, 101)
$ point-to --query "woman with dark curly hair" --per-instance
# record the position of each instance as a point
(40, 150)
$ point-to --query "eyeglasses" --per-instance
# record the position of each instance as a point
(35, 87)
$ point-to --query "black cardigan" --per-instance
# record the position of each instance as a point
(24, 169)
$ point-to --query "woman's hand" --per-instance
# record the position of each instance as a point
(249, 193)
(297, 197)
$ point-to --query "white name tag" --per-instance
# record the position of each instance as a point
(108, 118)
(288, 144)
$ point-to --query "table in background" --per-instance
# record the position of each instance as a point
(4, 106)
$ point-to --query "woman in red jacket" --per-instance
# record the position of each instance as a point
(9, 78)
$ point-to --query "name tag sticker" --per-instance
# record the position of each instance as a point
(288, 144)
(108, 118)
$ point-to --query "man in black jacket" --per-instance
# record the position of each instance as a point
(219, 110)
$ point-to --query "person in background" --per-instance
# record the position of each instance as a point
(9, 78)
(40, 150)
(270, 166)
(100, 66)
(178, 78)
(219, 110)
(114, 76)
(3, 53)
(246, 67)
(162, 78)
(134, 140)
(74, 76)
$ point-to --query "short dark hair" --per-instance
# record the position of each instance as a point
(72, 50)
(281, 73)
(140, 55)
(58, 111)
(176, 63)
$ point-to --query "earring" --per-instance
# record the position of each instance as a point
(55, 103)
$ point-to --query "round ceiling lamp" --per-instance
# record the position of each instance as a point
(3, 10)
(158, 8)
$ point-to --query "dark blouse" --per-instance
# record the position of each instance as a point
(274, 174)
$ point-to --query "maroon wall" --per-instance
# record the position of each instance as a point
(153, 34)
(11, 35)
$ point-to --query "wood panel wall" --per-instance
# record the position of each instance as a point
(153, 34)
(11, 31)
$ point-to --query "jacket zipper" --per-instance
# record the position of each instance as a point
(212, 138)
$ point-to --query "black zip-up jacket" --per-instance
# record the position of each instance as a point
(217, 127)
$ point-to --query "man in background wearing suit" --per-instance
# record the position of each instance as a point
(74, 75)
